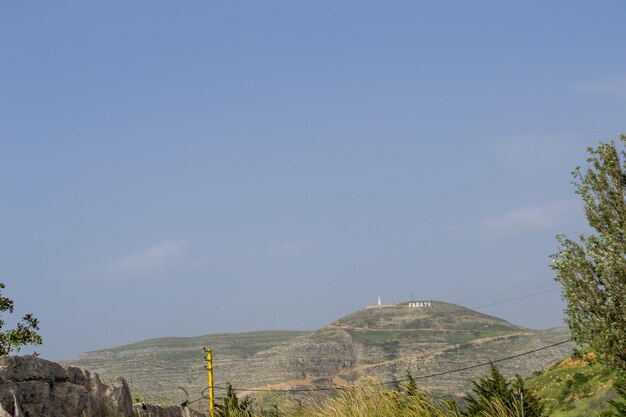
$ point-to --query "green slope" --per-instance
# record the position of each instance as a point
(574, 388)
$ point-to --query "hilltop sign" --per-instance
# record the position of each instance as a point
(420, 304)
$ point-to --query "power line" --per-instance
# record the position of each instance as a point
(405, 379)
(516, 298)
(202, 396)
(486, 363)
(507, 293)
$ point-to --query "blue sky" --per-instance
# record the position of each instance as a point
(178, 169)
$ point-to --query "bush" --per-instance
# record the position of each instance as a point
(494, 394)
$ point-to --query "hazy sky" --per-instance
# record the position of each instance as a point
(183, 168)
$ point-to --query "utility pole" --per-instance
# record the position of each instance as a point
(209, 368)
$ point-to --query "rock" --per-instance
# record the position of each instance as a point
(34, 387)
(120, 395)
(151, 410)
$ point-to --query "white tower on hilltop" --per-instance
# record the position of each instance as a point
(379, 302)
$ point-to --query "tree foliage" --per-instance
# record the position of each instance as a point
(231, 406)
(24, 334)
(592, 270)
(496, 390)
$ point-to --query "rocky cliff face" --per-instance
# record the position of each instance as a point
(34, 387)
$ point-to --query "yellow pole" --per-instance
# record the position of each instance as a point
(209, 367)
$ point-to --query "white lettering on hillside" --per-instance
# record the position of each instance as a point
(420, 304)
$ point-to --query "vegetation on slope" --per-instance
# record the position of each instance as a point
(575, 387)
(370, 398)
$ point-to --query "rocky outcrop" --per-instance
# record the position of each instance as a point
(151, 410)
(34, 387)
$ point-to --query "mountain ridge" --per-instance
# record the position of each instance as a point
(379, 341)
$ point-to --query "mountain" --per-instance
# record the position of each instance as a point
(424, 337)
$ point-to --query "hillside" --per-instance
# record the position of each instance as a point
(574, 388)
(155, 368)
(380, 341)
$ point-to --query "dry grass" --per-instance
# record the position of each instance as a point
(370, 398)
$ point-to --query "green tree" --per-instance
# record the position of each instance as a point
(232, 406)
(24, 334)
(495, 389)
(533, 406)
(592, 270)
(484, 390)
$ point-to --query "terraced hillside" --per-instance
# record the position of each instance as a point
(380, 341)
(155, 368)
